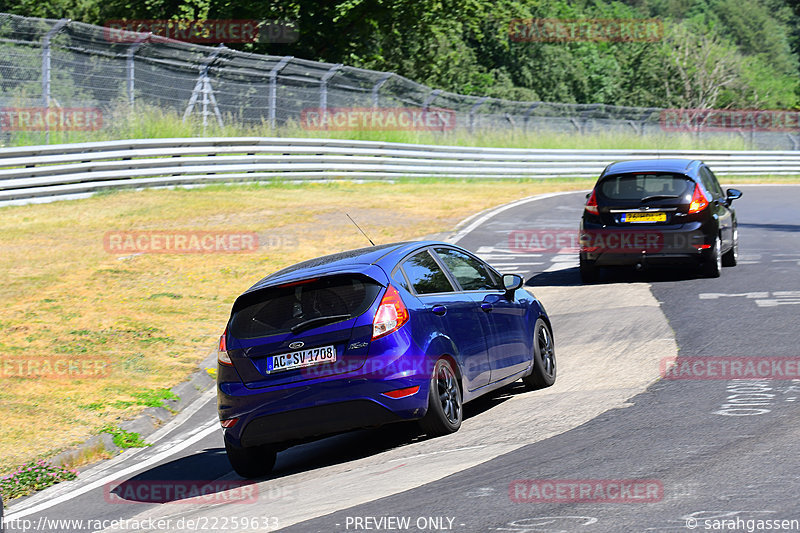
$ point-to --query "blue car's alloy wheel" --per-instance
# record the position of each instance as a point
(445, 410)
(543, 373)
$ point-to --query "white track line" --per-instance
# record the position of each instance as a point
(115, 476)
(497, 210)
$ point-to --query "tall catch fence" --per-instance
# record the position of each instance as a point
(88, 76)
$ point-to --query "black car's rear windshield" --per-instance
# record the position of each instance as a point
(638, 186)
(279, 309)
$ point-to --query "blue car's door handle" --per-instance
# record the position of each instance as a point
(487, 307)
(439, 310)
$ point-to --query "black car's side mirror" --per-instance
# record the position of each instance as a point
(733, 194)
(512, 282)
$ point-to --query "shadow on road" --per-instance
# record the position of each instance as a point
(771, 227)
(560, 278)
(188, 477)
(570, 277)
(198, 475)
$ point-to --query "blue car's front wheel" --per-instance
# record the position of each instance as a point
(543, 373)
(445, 409)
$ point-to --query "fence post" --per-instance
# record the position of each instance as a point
(273, 89)
(431, 97)
(377, 87)
(129, 64)
(527, 114)
(46, 71)
(323, 92)
(472, 112)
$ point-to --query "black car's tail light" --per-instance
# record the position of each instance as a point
(222, 351)
(391, 314)
(591, 204)
(699, 201)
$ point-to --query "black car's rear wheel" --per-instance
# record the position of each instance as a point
(712, 267)
(543, 373)
(445, 409)
(251, 462)
(587, 269)
(731, 257)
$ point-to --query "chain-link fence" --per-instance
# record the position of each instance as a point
(71, 65)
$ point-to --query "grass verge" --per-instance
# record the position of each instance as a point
(147, 123)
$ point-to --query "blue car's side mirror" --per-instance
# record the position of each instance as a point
(512, 282)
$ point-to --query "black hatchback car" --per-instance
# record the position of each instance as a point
(658, 212)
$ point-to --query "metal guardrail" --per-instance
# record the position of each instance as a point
(53, 170)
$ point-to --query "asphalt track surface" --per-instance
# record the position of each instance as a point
(709, 454)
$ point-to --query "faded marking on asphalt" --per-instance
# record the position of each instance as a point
(389, 470)
(762, 299)
(436, 453)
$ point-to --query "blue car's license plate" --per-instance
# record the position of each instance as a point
(301, 358)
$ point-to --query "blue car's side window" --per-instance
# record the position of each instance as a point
(425, 274)
(471, 274)
(400, 279)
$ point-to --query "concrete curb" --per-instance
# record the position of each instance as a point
(149, 420)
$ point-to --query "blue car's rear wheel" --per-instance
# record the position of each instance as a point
(543, 373)
(445, 409)
(251, 462)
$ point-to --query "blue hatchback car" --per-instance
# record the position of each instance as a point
(391, 333)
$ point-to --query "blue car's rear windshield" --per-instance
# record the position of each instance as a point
(636, 186)
(276, 310)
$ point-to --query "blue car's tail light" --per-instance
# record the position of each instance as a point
(222, 351)
(391, 314)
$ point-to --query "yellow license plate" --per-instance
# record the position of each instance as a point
(644, 217)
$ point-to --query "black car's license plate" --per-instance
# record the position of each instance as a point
(644, 217)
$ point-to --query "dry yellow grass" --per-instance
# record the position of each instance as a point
(154, 316)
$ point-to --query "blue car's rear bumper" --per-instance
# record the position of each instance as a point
(317, 407)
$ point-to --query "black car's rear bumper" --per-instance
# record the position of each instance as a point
(646, 245)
